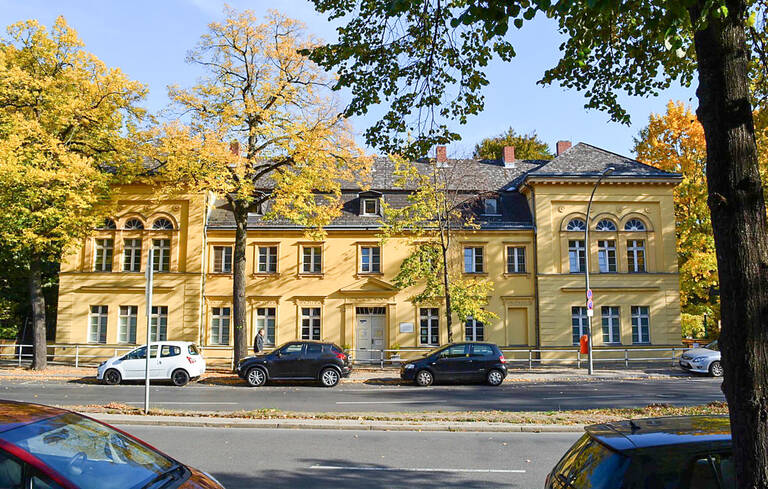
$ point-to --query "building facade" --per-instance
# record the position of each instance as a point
(529, 243)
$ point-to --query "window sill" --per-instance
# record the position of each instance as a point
(476, 274)
(517, 274)
(266, 274)
(220, 273)
(370, 274)
(310, 275)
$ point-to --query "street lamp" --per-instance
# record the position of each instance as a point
(587, 290)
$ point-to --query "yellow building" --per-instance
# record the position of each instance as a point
(530, 243)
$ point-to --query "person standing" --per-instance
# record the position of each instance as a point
(258, 343)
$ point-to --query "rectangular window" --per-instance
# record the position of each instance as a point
(636, 255)
(161, 261)
(310, 323)
(473, 259)
(97, 324)
(576, 255)
(222, 259)
(370, 259)
(132, 255)
(429, 325)
(474, 330)
(606, 255)
(579, 324)
(265, 319)
(267, 259)
(515, 259)
(220, 320)
(158, 326)
(640, 325)
(103, 255)
(491, 207)
(370, 207)
(611, 331)
(126, 332)
(312, 259)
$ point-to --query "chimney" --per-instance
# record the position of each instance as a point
(441, 155)
(508, 156)
(234, 148)
(562, 147)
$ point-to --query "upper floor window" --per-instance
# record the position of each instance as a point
(162, 224)
(370, 207)
(370, 259)
(636, 255)
(606, 255)
(473, 259)
(103, 255)
(132, 255)
(634, 225)
(515, 259)
(605, 225)
(576, 225)
(312, 259)
(576, 255)
(222, 259)
(133, 223)
(491, 206)
(267, 259)
(161, 258)
(107, 224)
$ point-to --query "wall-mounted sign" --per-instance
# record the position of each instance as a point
(406, 327)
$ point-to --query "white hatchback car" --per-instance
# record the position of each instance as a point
(177, 361)
(704, 360)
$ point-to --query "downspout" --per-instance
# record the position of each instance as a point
(203, 270)
(537, 327)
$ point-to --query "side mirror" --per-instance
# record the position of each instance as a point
(278, 353)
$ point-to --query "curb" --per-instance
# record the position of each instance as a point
(354, 425)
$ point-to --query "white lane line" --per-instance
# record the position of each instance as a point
(185, 402)
(418, 469)
(391, 402)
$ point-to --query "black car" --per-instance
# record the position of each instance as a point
(690, 452)
(297, 360)
(458, 362)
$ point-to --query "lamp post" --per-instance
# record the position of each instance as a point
(588, 291)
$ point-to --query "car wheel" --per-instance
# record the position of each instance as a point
(180, 377)
(495, 377)
(715, 369)
(424, 378)
(256, 377)
(329, 377)
(112, 377)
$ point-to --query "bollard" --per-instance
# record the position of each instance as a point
(21, 347)
(626, 358)
(381, 356)
(77, 356)
(578, 359)
(530, 360)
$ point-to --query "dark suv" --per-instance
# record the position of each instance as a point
(458, 362)
(297, 360)
(686, 452)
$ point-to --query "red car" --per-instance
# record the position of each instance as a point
(43, 447)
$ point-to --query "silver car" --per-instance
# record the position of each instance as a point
(705, 360)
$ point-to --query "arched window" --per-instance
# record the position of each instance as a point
(576, 225)
(605, 225)
(133, 223)
(634, 225)
(162, 223)
(107, 224)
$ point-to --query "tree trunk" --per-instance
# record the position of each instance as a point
(448, 314)
(36, 298)
(739, 224)
(240, 212)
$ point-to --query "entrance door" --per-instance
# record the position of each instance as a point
(371, 323)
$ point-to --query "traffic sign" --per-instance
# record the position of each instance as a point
(589, 294)
(590, 312)
(590, 305)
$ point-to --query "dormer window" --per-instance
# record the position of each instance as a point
(491, 207)
(370, 207)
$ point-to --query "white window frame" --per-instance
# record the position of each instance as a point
(267, 259)
(162, 224)
(516, 259)
(491, 206)
(221, 322)
(471, 327)
(364, 206)
(579, 320)
(429, 321)
(576, 225)
(126, 325)
(576, 255)
(103, 253)
(311, 322)
(223, 262)
(610, 321)
(474, 259)
(98, 320)
(315, 263)
(136, 224)
(641, 333)
(635, 250)
(132, 254)
(159, 323)
(605, 225)
(161, 261)
(635, 225)
(266, 318)
(370, 259)
(606, 255)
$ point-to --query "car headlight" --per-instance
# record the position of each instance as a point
(409, 366)
(698, 359)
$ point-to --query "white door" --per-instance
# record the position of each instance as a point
(371, 323)
(135, 363)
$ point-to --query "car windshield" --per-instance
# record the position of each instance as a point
(90, 454)
(434, 351)
(590, 465)
(712, 346)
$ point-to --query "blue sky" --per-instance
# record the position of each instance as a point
(149, 39)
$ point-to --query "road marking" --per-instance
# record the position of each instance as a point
(185, 402)
(391, 402)
(418, 469)
(587, 397)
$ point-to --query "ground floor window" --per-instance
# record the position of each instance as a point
(429, 324)
(474, 330)
(158, 325)
(126, 332)
(579, 324)
(97, 325)
(310, 323)
(265, 319)
(611, 331)
(220, 320)
(640, 325)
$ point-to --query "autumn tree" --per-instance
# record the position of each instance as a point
(65, 125)
(426, 61)
(439, 210)
(527, 146)
(259, 127)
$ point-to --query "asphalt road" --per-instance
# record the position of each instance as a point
(248, 458)
(352, 397)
